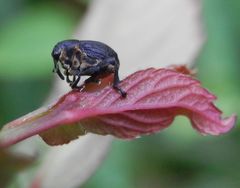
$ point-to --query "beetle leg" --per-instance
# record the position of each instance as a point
(116, 80)
(75, 82)
(59, 73)
(67, 77)
(57, 70)
(74, 78)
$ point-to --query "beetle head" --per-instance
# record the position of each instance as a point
(68, 54)
(56, 53)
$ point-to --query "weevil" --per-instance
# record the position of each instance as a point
(86, 58)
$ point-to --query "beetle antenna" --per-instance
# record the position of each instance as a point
(57, 70)
(60, 74)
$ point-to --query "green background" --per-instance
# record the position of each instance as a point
(176, 157)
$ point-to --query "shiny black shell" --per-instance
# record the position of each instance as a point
(93, 49)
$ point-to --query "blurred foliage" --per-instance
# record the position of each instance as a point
(220, 56)
(11, 164)
(176, 157)
(32, 43)
(28, 31)
(27, 40)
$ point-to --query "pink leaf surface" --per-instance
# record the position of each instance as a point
(155, 97)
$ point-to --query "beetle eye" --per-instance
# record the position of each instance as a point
(76, 64)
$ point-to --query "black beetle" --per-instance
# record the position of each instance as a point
(86, 58)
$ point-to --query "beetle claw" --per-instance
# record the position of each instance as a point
(123, 93)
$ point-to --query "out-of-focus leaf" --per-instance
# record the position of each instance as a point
(73, 161)
(10, 164)
(27, 41)
(221, 52)
(12, 105)
(155, 97)
(155, 34)
(9, 9)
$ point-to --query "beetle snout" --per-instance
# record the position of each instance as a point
(55, 55)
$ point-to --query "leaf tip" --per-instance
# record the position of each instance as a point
(229, 123)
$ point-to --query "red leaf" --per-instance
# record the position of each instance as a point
(155, 97)
(183, 69)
